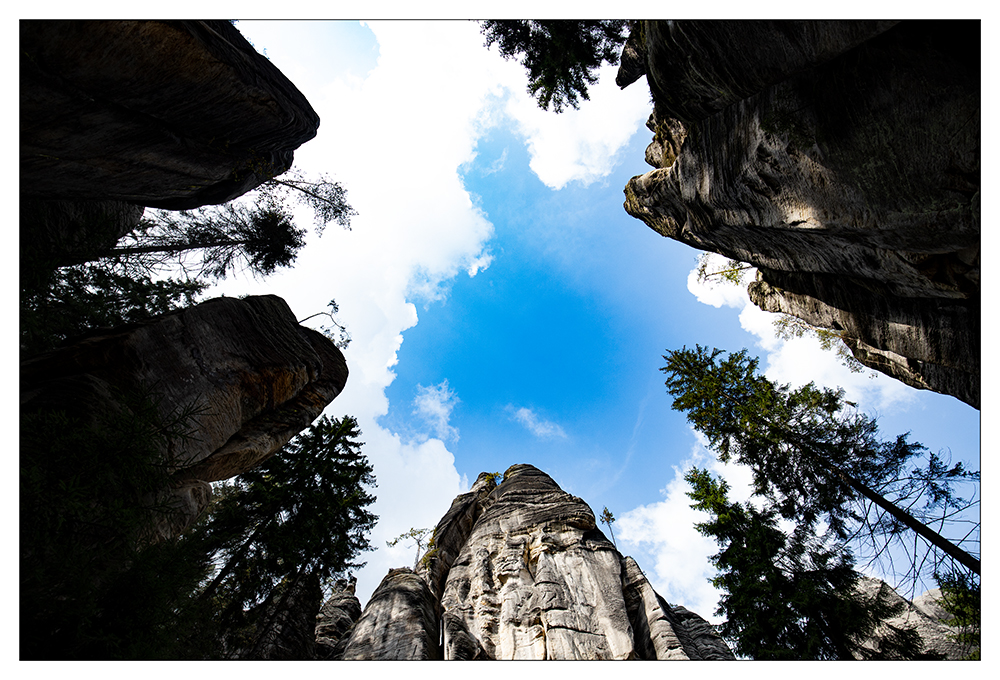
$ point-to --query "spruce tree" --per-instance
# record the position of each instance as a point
(818, 460)
(303, 512)
(791, 595)
(561, 57)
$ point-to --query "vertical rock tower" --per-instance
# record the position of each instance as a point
(520, 570)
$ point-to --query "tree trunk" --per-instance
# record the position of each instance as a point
(176, 248)
(231, 564)
(931, 536)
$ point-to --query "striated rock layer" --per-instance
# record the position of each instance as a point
(165, 114)
(842, 160)
(521, 571)
(249, 375)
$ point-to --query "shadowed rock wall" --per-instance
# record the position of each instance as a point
(841, 159)
(165, 114)
(253, 376)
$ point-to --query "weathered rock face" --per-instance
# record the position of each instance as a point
(839, 158)
(924, 614)
(167, 114)
(252, 374)
(521, 571)
(400, 622)
(335, 618)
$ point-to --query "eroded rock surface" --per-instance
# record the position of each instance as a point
(842, 160)
(924, 614)
(166, 114)
(249, 373)
(400, 622)
(335, 618)
(521, 571)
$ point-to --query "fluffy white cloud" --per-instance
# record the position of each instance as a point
(663, 540)
(396, 140)
(434, 405)
(799, 360)
(580, 144)
(540, 427)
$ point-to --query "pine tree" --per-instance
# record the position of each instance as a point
(559, 56)
(302, 512)
(791, 595)
(818, 460)
(78, 299)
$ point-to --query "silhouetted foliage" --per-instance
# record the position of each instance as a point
(228, 238)
(303, 511)
(561, 57)
(607, 517)
(85, 297)
(791, 595)
(960, 597)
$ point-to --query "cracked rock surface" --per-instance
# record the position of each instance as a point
(521, 571)
(842, 160)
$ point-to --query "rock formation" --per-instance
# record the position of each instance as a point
(925, 614)
(166, 114)
(335, 618)
(842, 160)
(252, 375)
(521, 571)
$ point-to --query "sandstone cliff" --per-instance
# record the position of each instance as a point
(924, 614)
(519, 571)
(252, 375)
(166, 114)
(842, 160)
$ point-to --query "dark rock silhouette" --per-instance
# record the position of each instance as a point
(165, 114)
(253, 375)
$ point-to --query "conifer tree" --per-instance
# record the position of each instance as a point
(820, 461)
(561, 57)
(302, 512)
(791, 595)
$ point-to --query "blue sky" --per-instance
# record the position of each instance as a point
(503, 306)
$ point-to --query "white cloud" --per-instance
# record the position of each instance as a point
(663, 539)
(579, 144)
(434, 405)
(544, 429)
(396, 140)
(799, 360)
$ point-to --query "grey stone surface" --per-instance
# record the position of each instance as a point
(521, 571)
(924, 614)
(400, 623)
(335, 618)
(842, 160)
